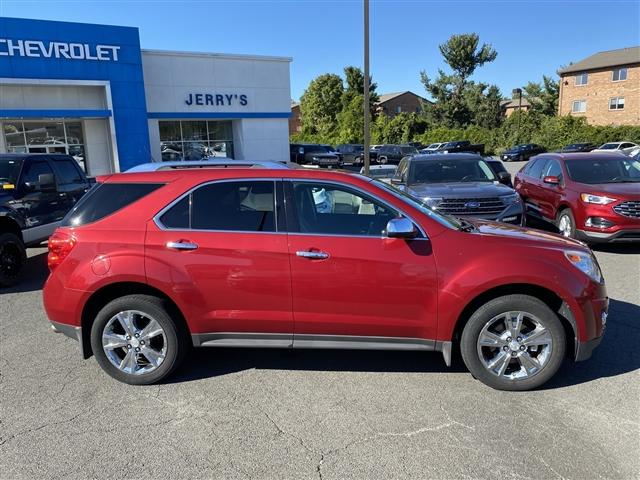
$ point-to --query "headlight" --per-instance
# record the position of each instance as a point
(315, 158)
(597, 199)
(585, 263)
(510, 199)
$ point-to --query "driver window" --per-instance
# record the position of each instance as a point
(34, 170)
(335, 210)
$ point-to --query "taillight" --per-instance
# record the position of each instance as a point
(60, 245)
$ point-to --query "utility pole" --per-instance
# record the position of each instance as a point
(519, 92)
(367, 113)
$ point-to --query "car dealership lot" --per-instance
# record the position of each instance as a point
(315, 414)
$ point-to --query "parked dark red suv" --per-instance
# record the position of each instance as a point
(594, 197)
(148, 264)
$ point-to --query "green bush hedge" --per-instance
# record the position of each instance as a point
(551, 132)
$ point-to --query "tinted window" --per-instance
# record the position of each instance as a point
(553, 169)
(34, 169)
(178, 215)
(536, 169)
(450, 171)
(237, 206)
(9, 170)
(604, 170)
(68, 172)
(104, 199)
(333, 210)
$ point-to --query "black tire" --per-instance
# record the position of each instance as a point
(176, 337)
(13, 256)
(496, 307)
(566, 213)
(521, 158)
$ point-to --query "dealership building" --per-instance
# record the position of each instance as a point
(92, 92)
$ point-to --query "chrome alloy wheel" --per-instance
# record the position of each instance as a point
(564, 225)
(514, 345)
(134, 342)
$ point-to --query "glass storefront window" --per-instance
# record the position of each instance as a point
(195, 139)
(46, 137)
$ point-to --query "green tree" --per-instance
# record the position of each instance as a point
(351, 121)
(544, 96)
(457, 99)
(319, 107)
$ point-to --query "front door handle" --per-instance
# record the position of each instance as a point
(313, 255)
(182, 245)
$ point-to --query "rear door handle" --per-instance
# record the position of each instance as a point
(182, 245)
(313, 255)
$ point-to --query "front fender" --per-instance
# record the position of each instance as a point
(463, 287)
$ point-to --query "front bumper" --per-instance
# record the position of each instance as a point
(585, 349)
(619, 236)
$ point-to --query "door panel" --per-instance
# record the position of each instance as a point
(347, 279)
(366, 287)
(219, 252)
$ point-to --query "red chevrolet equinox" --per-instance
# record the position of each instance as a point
(594, 197)
(149, 264)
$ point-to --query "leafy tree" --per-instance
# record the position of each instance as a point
(543, 97)
(354, 79)
(351, 121)
(319, 106)
(457, 100)
(484, 102)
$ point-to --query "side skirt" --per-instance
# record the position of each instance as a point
(346, 342)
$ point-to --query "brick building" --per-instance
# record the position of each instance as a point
(604, 88)
(392, 104)
(295, 120)
(512, 105)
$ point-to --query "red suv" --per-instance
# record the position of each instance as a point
(148, 264)
(594, 197)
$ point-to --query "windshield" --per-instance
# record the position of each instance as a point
(604, 170)
(609, 146)
(9, 170)
(382, 172)
(451, 171)
(408, 150)
(442, 218)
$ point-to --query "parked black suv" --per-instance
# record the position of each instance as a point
(460, 184)
(395, 153)
(350, 152)
(460, 146)
(36, 191)
(523, 152)
(312, 154)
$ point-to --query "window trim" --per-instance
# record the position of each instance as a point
(626, 74)
(617, 107)
(579, 75)
(578, 101)
(163, 227)
(288, 182)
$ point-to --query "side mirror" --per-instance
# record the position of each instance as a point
(551, 180)
(396, 181)
(46, 182)
(401, 228)
(504, 177)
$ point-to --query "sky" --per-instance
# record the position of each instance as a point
(532, 38)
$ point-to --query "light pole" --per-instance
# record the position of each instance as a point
(367, 113)
(519, 93)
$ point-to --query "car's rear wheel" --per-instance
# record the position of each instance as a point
(566, 223)
(515, 342)
(521, 158)
(13, 257)
(135, 340)
(383, 160)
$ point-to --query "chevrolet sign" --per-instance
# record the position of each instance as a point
(72, 51)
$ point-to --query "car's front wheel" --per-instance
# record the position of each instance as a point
(514, 342)
(12, 259)
(135, 340)
(566, 223)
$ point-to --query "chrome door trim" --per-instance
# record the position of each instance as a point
(356, 342)
(366, 194)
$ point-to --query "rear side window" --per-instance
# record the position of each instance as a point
(536, 169)
(104, 199)
(69, 173)
(225, 206)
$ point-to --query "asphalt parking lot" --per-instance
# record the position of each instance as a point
(315, 414)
